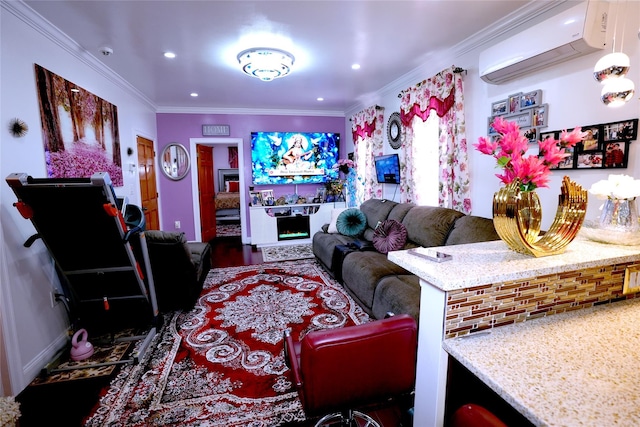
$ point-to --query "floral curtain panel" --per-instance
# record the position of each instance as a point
(367, 127)
(444, 94)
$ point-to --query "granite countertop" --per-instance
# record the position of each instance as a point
(577, 368)
(478, 264)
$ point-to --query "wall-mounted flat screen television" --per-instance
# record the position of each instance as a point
(387, 168)
(294, 157)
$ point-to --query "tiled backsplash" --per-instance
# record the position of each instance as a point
(498, 304)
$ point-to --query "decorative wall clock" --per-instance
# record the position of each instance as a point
(394, 125)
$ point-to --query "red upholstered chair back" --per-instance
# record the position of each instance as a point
(348, 367)
(472, 415)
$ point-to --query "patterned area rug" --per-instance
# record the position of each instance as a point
(228, 230)
(286, 253)
(222, 363)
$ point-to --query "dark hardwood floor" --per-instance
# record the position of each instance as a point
(69, 403)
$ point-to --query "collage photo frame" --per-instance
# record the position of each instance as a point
(526, 109)
(605, 147)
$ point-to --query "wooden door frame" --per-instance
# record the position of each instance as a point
(238, 142)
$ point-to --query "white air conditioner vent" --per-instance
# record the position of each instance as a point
(574, 32)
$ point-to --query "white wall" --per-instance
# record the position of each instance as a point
(33, 331)
(570, 90)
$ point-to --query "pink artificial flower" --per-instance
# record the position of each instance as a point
(509, 150)
(486, 146)
(572, 138)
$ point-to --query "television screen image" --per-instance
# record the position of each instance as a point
(387, 169)
(294, 157)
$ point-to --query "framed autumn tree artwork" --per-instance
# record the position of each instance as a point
(80, 130)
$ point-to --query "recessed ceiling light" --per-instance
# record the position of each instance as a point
(355, 67)
(320, 99)
(169, 55)
(194, 94)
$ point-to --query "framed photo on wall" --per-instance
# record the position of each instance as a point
(592, 141)
(499, 108)
(616, 154)
(513, 103)
(539, 116)
(592, 160)
(531, 99)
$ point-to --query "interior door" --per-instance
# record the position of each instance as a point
(206, 191)
(147, 178)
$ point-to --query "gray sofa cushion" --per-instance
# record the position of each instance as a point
(363, 270)
(399, 211)
(429, 226)
(397, 294)
(471, 229)
(323, 245)
(376, 210)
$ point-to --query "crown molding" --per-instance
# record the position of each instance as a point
(440, 60)
(250, 111)
(36, 21)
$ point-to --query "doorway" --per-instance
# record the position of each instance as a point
(147, 180)
(238, 142)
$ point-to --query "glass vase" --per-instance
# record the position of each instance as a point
(620, 215)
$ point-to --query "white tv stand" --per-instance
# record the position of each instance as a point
(264, 221)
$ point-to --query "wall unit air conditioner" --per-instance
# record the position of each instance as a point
(574, 32)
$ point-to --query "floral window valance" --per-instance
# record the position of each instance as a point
(364, 131)
(436, 93)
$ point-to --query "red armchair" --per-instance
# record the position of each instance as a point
(338, 370)
(471, 415)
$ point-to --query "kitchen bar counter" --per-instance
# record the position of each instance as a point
(477, 264)
(572, 369)
(487, 286)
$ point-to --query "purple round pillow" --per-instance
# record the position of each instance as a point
(390, 235)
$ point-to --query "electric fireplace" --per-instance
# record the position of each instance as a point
(293, 227)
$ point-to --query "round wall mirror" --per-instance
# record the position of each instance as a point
(175, 161)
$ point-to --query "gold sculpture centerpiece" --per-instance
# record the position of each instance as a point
(517, 213)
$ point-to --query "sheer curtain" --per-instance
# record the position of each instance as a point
(367, 127)
(443, 94)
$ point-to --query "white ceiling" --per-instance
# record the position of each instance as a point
(387, 38)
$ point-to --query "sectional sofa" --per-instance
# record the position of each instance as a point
(377, 284)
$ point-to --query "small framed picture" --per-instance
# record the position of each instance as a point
(531, 99)
(591, 142)
(569, 161)
(513, 103)
(545, 135)
(499, 108)
(621, 131)
(615, 154)
(321, 194)
(631, 279)
(523, 118)
(267, 198)
(591, 160)
(531, 134)
(539, 115)
(256, 198)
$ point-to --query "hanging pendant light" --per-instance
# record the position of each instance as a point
(611, 71)
(616, 92)
(612, 66)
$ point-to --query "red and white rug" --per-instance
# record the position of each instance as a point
(222, 364)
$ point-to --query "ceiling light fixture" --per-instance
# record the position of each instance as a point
(265, 63)
(611, 71)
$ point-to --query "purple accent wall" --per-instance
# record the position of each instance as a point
(176, 203)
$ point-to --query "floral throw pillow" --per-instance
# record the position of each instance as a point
(390, 235)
